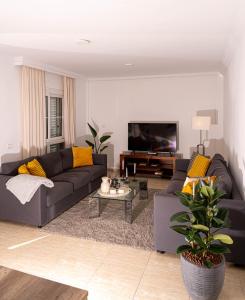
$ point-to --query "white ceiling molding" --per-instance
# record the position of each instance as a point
(21, 61)
(155, 76)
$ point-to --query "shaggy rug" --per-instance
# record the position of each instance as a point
(110, 227)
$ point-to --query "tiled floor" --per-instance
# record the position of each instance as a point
(108, 272)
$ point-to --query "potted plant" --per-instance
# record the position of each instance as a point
(97, 141)
(202, 257)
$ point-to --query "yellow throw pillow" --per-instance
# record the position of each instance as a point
(199, 167)
(35, 168)
(188, 184)
(23, 169)
(82, 156)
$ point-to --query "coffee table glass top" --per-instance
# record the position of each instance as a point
(133, 185)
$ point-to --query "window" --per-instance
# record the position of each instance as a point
(54, 122)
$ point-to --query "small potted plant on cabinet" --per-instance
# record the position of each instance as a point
(202, 257)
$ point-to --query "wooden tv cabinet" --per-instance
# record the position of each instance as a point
(156, 165)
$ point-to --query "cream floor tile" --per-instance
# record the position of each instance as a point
(162, 279)
(234, 283)
(123, 255)
(11, 234)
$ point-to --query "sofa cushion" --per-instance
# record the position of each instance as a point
(67, 158)
(51, 163)
(193, 156)
(179, 175)
(175, 186)
(11, 168)
(218, 156)
(78, 179)
(224, 182)
(95, 171)
(182, 164)
(58, 192)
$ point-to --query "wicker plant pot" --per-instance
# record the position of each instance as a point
(203, 283)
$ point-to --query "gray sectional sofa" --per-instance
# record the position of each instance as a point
(166, 203)
(70, 186)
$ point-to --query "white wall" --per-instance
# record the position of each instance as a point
(112, 103)
(234, 112)
(9, 109)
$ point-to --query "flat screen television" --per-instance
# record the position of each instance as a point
(153, 137)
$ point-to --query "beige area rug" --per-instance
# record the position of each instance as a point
(110, 227)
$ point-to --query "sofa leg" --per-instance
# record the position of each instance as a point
(159, 251)
(39, 226)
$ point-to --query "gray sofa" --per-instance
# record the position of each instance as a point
(166, 203)
(70, 186)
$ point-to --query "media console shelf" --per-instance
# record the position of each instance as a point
(157, 165)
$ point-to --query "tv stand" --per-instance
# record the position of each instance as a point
(154, 165)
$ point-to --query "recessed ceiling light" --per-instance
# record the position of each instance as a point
(83, 41)
(128, 64)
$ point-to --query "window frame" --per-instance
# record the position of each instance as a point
(55, 140)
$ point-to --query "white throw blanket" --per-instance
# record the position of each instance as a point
(24, 186)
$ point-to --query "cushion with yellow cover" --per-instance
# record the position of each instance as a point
(199, 167)
(35, 168)
(82, 156)
(188, 184)
(23, 169)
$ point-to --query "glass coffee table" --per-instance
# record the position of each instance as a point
(138, 186)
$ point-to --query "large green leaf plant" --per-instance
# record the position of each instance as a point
(202, 221)
(97, 144)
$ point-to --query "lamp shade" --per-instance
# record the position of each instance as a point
(201, 123)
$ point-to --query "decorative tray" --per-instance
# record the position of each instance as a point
(126, 190)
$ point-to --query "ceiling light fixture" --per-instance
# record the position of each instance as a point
(128, 64)
(83, 41)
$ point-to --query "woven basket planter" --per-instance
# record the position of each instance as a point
(203, 283)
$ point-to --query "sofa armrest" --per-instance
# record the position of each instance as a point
(100, 159)
(182, 164)
(236, 213)
(33, 212)
(165, 206)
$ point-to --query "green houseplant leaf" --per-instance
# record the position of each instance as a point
(220, 249)
(103, 148)
(90, 144)
(224, 238)
(93, 131)
(183, 248)
(180, 229)
(181, 217)
(104, 138)
(200, 227)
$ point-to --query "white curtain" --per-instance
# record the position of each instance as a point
(33, 108)
(69, 111)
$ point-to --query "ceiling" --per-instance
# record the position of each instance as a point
(156, 36)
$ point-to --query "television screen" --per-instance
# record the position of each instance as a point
(152, 137)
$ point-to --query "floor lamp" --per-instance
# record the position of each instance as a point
(203, 124)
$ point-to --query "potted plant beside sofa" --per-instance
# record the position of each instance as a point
(202, 257)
